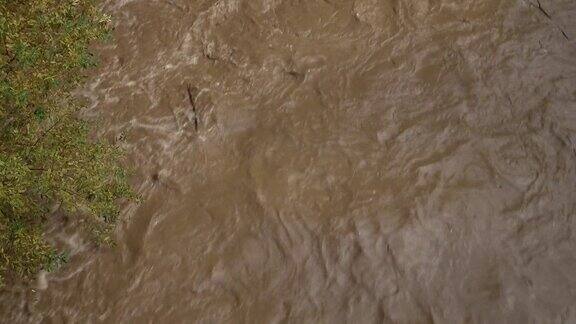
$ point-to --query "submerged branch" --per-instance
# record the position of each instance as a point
(192, 98)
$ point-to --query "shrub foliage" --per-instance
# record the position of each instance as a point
(46, 157)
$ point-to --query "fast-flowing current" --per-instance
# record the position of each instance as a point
(331, 161)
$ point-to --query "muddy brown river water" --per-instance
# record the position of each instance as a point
(334, 161)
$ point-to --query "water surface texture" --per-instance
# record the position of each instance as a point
(333, 161)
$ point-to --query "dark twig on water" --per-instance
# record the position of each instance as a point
(564, 33)
(192, 92)
(542, 10)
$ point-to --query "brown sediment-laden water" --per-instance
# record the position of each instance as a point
(332, 161)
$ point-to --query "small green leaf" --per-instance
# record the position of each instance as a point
(40, 113)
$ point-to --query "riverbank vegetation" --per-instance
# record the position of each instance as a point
(46, 156)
